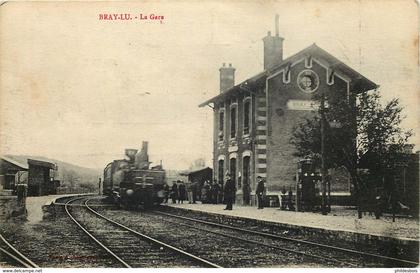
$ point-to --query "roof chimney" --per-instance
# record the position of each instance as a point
(227, 77)
(273, 47)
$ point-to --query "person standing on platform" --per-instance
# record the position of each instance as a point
(230, 190)
(165, 193)
(214, 191)
(260, 192)
(290, 201)
(284, 199)
(205, 193)
(182, 192)
(194, 188)
(188, 186)
(220, 195)
(174, 192)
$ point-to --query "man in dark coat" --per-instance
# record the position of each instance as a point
(260, 192)
(194, 188)
(174, 192)
(214, 191)
(205, 193)
(220, 195)
(229, 191)
(166, 193)
(182, 192)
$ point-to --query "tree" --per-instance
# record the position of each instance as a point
(364, 132)
(70, 178)
(199, 163)
(380, 137)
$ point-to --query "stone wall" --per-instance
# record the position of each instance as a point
(10, 208)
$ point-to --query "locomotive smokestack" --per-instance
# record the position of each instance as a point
(144, 147)
(142, 157)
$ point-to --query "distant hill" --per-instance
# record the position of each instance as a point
(74, 176)
(69, 174)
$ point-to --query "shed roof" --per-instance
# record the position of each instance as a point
(359, 82)
(14, 162)
(40, 163)
(195, 171)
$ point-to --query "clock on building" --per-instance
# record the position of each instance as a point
(308, 81)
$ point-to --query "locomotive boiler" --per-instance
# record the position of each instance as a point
(131, 183)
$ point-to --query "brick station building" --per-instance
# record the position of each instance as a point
(253, 120)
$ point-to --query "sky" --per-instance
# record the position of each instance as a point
(79, 89)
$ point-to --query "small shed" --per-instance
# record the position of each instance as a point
(40, 178)
(8, 170)
(199, 176)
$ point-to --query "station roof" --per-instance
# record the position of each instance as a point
(14, 162)
(359, 83)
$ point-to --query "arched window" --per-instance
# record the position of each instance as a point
(221, 124)
(247, 116)
(246, 184)
(232, 167)
(246, 169)
(221, 170)
(233, 122)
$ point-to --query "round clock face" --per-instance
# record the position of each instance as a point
(308, 81)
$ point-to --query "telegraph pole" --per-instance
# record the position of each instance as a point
(323, 170)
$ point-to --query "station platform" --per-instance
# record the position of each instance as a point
(339, 219)
(34, 205)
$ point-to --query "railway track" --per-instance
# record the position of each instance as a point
(239, 236)
(357, 255)
(126, 246)
(275, 245)
(227, 250)
(13, 257)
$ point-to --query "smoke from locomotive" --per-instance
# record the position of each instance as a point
(130, 182)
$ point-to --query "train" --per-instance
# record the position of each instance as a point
(131, 183)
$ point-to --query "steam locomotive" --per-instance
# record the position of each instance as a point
(131, 182)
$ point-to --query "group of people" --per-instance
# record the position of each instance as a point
(230, 191)
(211, 193)
(180, 192)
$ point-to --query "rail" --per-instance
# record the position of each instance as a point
(273, 236)
(16, 255)
(150, 239)
(115, 256)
